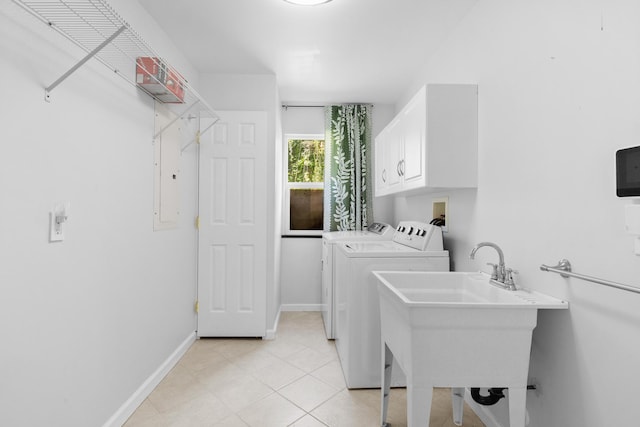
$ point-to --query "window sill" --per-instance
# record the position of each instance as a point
(304, 236)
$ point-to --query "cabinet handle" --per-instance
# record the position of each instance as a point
(400, 168)
(384, 175)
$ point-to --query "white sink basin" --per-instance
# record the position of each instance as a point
(459, 289)
(454, 329)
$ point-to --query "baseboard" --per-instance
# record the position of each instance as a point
(481, 411)
(271, 333)
(301, 307)
(130, 406)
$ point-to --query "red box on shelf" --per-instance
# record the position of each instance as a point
(151, 74)
(175, 84)
(157, 79)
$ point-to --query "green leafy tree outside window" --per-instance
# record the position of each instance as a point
(306, 160)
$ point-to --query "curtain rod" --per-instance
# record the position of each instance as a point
(286, 106)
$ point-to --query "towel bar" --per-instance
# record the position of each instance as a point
(563, 268)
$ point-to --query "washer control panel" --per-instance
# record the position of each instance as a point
(419, 235)
(378, 227)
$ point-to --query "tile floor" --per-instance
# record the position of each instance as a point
(294, 380)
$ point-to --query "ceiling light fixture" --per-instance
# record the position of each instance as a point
(307, 2)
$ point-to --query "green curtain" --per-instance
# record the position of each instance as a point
(348, 188)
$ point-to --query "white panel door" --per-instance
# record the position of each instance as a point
(232, 249)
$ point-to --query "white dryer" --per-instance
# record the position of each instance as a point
(415, 246)
(377, 231)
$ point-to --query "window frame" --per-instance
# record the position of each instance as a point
(287, 186)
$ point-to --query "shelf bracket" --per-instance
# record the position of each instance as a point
(90, 55)
(175, 119)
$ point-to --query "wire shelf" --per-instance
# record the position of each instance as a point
(96, 28)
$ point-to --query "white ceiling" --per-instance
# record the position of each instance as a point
(342, 51)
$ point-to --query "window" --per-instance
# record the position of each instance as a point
(304, 185)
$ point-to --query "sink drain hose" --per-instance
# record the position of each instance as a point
(495, 394)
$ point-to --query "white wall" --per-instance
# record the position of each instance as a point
(84, 322)
(258, 92)
(301, 256)
(559, 93)
(301, 273)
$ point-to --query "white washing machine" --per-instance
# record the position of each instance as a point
(375, 232)
(415, 246)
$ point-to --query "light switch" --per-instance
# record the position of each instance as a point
(57, 217)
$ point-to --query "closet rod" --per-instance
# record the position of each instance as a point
(564, 269)
(285, 106)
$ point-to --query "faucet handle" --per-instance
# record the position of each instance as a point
(494, 272)
(508, 280)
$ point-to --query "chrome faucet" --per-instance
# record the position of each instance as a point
(501, 275)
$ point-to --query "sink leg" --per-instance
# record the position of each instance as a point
(457, 400)
(517, 406)
(418, 405)
(387, 358)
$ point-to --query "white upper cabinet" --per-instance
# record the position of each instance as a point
(432, 143)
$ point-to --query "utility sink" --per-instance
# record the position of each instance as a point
(456, 329)
(459, 290)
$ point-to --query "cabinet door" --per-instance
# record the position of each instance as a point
(394, 153)
(381, 170)
(414, 131)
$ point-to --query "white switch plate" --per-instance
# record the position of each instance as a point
(55, 235)
(56, 230)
